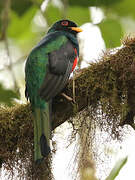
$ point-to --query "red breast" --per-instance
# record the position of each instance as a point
(75, 61)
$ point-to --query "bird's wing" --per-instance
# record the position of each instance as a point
(60, 64)
(48, 68)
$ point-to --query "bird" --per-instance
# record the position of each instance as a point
(47, 70)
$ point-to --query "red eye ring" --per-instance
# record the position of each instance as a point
(64, 23)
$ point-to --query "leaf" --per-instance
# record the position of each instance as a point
(124, 8)
(20, 28)
(78, 14)
(53, 14)
(88, 3)
(112, 32)
(18, 25)
(115, 171)
(38, 2)
(1, 6)
(20, 7)
(7, 95)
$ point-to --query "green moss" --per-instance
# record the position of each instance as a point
(108, 86)
(16, 135)
(16, 142)
(106, 90)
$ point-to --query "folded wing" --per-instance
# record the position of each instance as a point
(58, 70)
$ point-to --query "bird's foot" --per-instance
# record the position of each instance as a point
(68, 98)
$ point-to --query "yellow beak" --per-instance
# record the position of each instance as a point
(77, 29)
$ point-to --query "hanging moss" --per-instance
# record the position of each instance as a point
(109, 85)
(16, 143)
(105, 90)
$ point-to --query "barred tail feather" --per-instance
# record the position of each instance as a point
(41, 133)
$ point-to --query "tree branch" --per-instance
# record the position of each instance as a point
(107, 86)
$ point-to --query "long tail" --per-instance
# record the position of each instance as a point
(41, 133)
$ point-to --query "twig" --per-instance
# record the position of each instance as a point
(5, 18)
(67, 97)
(73, 87)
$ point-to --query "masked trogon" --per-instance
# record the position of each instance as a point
(47, 71)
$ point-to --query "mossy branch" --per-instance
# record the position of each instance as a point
(108, 84)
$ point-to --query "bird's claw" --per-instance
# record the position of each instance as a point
(68, 98)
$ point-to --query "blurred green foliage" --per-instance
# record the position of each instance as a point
(26, 26)
(93, 2)
(124, 8)
(112, 32)
(22, 13)
(53, 14)
(7, 96)
(20, 28)
(20, 7)
(78, 14)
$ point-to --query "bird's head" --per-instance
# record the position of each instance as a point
(65, 25)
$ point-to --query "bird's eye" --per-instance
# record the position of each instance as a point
(64, 23)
